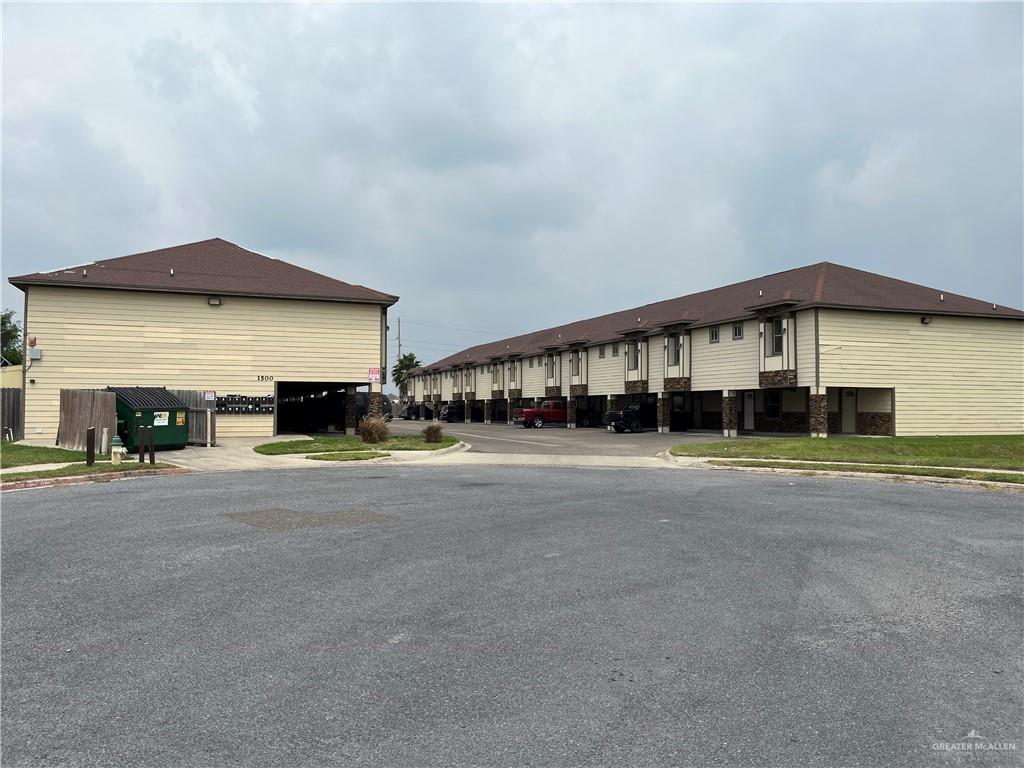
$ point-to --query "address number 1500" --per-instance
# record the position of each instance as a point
(264, 378)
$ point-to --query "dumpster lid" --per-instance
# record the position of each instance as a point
(147, 397)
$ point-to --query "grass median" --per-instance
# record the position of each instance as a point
(81, 470)
(348, 443)
(20, 455)
(961, 474)
(986, 451)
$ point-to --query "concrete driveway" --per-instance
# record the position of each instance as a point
(453, 616)
(555, 440)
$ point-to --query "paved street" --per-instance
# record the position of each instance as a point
(555, 440)
(451, 616)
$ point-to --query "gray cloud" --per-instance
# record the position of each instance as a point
(501, 167)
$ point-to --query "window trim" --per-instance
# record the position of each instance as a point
(600, 352)
(735, 327)
(714, 333)
(675, 349)
(632, 355)
(615, 350)
(770, 337)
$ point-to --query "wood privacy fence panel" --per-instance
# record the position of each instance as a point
(197, 404)
(11, 412)
(84, 408)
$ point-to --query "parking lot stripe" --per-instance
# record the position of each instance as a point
(507, 439)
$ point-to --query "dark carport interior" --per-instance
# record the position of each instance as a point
(308, 407)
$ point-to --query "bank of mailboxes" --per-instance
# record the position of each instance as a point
(245, 404)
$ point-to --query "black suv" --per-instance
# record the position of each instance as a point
(631, 417)
(453, 412)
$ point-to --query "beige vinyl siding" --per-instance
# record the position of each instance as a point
(607, 376)
(728, 364)
(92, 338)
(805, 348)
(655, 363)
(483, 383)
(533, 378)
(956, 375)
(446, 385)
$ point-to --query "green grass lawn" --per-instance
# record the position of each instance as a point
(81, 470)
(20, 455)
(349, 456)
(344, 443)
(998, 477)
(987, 451)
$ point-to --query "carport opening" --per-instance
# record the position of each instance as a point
(310, 407)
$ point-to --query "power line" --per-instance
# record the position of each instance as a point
(465, 330)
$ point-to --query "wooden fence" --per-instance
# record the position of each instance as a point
(198, 405)
(11, 413)
(84, 408)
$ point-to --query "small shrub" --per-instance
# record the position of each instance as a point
(373, 429)
(432, 433)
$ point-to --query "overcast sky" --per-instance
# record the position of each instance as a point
(505, 169)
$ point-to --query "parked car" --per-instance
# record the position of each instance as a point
(363, 406)
(453, 412)
(631, 417)
(549, 412)
(409, 411)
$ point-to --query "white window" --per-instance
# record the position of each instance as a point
(633, 355)
(512, 373)
(549, 367)
(600, 352)
(615, 350)
(713, 334)
(773, 342)
(674, 349)
(575, 357)
(737, 331)
(531, 362)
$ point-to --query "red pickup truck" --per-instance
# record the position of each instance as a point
(549, 412)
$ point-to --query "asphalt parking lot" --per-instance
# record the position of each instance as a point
(556, 440)
(429, 616)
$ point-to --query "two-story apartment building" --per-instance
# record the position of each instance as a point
(277, 347)
(823, 349)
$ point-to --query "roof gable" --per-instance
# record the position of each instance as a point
(208, 266)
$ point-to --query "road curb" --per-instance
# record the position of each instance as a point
(410, 456)
(695, 462)
(48, 482)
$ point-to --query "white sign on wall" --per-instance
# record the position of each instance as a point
(160, 418)
(373, 375)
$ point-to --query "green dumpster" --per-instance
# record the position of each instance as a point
(151, 407)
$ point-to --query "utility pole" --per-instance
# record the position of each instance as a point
(399, 338)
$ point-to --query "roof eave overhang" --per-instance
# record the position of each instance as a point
(21, 283)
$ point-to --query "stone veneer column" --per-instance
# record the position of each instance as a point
(817, 413)
(570, 412)
(351, 421)
(664, 414)
(487, 411)
(730, 413)
(376, 404)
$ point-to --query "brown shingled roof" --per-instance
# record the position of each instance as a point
(209, 266)
(818, 285)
